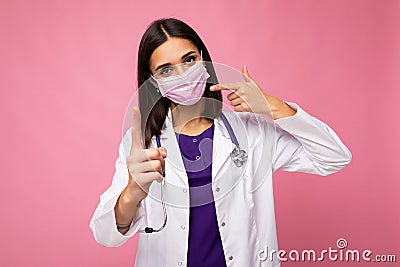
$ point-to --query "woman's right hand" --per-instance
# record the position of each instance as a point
(144, 165)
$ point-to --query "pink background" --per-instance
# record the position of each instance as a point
(67, 72)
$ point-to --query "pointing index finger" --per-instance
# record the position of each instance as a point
(225, 86)
(137, 141)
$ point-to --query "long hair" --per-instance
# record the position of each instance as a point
(153, 108)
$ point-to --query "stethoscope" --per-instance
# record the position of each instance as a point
(238, 156)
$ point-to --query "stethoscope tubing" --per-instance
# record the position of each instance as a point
(234, 141)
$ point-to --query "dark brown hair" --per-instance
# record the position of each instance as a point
(153, 106)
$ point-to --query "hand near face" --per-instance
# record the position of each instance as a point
(249, 97)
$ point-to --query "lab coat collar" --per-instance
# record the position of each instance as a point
(222, 147)
(168, 124)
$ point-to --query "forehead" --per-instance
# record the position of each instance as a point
(171, 51)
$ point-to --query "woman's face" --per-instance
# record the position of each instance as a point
(172, 52)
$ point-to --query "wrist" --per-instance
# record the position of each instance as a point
(129, 197)
(133, 193)
(278, 109)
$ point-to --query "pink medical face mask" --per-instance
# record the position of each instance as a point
(186, 88)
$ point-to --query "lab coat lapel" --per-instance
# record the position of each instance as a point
(174, 161)
(222, 147)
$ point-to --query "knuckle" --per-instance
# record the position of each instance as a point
(133, 157)
(157, 165)
(152, 152)
(160, 178)
(162, 161)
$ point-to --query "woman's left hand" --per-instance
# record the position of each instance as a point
(249, 97)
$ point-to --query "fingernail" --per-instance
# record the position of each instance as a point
(212, 88)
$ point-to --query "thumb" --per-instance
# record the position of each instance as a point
(246, 74)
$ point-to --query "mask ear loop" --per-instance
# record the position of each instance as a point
(155, 81)
(201, 58)
(158, 90)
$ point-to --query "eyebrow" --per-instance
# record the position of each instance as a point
(169, 64)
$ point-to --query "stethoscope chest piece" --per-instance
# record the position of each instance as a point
(239, 156)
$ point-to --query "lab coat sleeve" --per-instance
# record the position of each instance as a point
(306, 144)
(103, 222)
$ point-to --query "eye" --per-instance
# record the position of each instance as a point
(190, 59)
(165, 71)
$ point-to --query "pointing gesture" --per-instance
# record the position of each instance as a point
(144, 165)
(249, 97)
(137, 140)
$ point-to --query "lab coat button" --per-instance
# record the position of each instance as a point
(223, 224)
(183, 227)
(179, 263)
(184, 190)
(217, 189)
(230, 258)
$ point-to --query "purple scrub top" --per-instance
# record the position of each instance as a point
(205, 247)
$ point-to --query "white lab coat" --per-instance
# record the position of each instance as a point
(243, 195)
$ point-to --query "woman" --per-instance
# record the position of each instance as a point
(186, 144)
